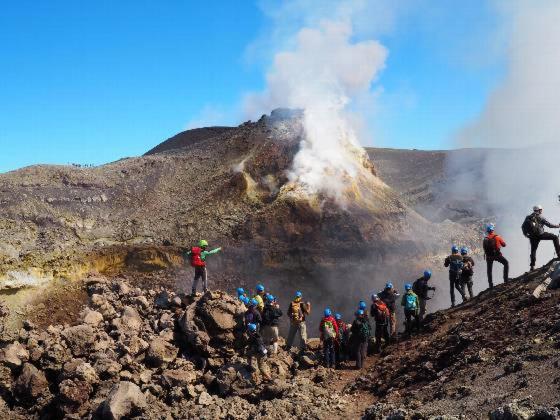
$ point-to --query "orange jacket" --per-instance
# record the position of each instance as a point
(497, 240)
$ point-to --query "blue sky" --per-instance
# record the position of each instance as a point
(94, 81)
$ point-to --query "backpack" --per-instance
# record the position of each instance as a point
(456, 265)
(364, 332)
(489, 245)
(267, 315)
(196, 257)
(381, 313)
(416, 287)
(467, 268)
(530, 226)
(328, 330)
(295, 312)
(410, 303)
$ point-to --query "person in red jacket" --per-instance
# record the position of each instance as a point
(341, 343)
(492, 245)
(197, 256)
(380, 313)
(329, 333)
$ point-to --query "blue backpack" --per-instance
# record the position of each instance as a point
(456, 265)
(410, 302)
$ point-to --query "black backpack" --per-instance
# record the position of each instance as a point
(489, 246)
(530, 226)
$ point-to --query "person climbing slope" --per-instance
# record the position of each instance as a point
(197, 256)
(389, 296)
(533, 229)
(361, 333)
(421, 289)
(297, 312)
(270, 319)
(252, 314)
(411, 309)
(328, 329)
(467, 273)
(256, 350)
(455, 264)
(381, 315)
(492, 245)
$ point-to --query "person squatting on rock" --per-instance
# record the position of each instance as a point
(492, 245)
(341, 343)
(259, 296)
(389, 297)
(533, 229)
(467, 273)
(421, 289)
(270, 319)
(411, 305)
(252, 314)
(361, 333)
(257, 350)
(297, 311)
(381, 315)
(197, 256)
(455, 264)
(328, 329)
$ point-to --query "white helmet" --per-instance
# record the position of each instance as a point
(538, 207)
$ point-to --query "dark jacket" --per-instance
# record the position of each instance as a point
(453, 257)
(468, 266)
(542, 222)
(357, 327)
(255, 343)
(270, 315)
(252, 316)
(420, 287)
(389, 297)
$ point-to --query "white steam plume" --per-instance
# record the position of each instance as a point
(322, 75)
(524, 113)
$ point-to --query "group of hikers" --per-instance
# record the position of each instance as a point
(343, 341)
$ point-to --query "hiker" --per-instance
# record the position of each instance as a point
(381, 314)
(259, 296)
(467, 272)
(421, 289)
(297, 312)
(455, 264)
(329, 332)
(361, 333)
(341, 343)
(411, 305)
(362, 305)
(492, 245)
(389, 296)
(245, 301)
(270, 317)
(533, 229)
(256, 350)
(198, 255)
(252, 314)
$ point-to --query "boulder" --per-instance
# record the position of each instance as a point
(91, 317)
(179, 377)
(125, 400)
(129, 322)
(14, 355)
(160, 352)
(31, 384)
(80, 339)
(73, 393)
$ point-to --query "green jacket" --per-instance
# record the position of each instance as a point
(404, 299)
(203, 254)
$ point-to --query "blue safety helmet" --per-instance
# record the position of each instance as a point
(270, 298)
(253, 302)
(252, 327)
(454, 249)
(490, 227)
(298, 294)
(408, 286)
(240, 291)
(244, 299)
(337, 316)
(464, 250)
(359, 312)
(362, 305)
(389, 285)
(427, 274)
(260, 288)
(328, 312)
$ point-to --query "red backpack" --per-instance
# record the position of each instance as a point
(196, 260)
(382, 313)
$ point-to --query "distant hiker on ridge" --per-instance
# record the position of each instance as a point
(533, 229)
(455, 264)
(197, 255)
(492, 246)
